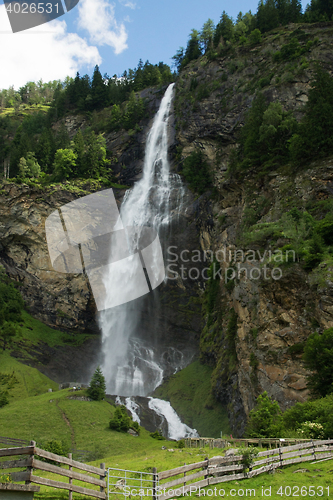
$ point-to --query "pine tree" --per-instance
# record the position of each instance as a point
(97, 387)
(207, 34)
(224, 29)
(99, 90)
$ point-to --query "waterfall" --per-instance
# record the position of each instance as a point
(130, 366)
(176, 429)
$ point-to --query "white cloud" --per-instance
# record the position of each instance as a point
(128, 3)
(46, 52)
(98, 18)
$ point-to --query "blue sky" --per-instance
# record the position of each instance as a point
(114, 34)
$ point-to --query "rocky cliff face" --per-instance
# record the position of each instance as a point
(54, 298)
(274, 316)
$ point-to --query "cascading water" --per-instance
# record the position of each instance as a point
(130, 366)
(176, 429)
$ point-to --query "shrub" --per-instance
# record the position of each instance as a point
(318, 357)
(318, 411)
(312, 430)
(56, 447)
(255, 37)
(157, 435)
(265, 418)
(122, 422)
(196, 172)
(248, 456)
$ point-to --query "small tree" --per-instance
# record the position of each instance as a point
(318, 357)
(122, 422)
(29, 166)
(248, 455)
(64, 164)
(265, 418)
(97, 387)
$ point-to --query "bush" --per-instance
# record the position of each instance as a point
(318, 411)
(318, 357)
(265, 418)
(157, 435)
(311, 430)
(255, 37)
(56, 447)
(196, 172)
(248, 456)
(121, 422)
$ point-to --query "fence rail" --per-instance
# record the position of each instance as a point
(32, 463)
(13, 441)
(224, 442)
(229, 468)
(80, 454)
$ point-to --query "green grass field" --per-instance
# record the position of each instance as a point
(36, 414)
(28, 381)
(84, 425)
(25, 110)
(34, 332)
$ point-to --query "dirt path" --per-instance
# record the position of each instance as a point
(65, 418)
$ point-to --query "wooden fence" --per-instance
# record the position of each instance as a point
(224, 442)
(80, 455)
(13, 441)
(27, 459)
(229, 468)
(205, 473)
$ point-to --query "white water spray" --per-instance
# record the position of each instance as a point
(130, 368)
(176, 429)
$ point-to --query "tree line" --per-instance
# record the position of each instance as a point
(33, 148)
(248, 28)
(85, 93)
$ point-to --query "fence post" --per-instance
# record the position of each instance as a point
(280, 454)
(70, 496)
(313, 450)
(30, 469)
(184, 477)
(102, 466)
(154, 483)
